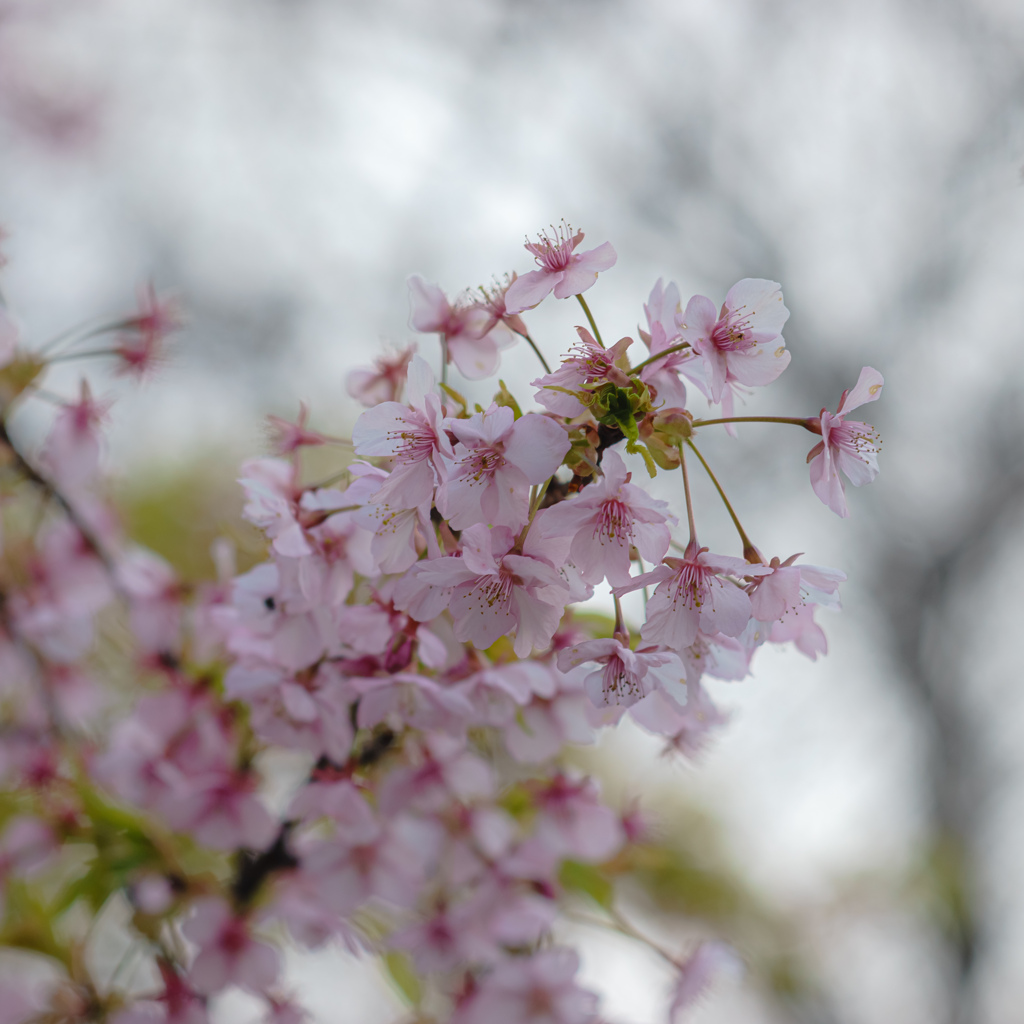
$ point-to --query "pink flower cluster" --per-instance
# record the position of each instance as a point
(410, 641)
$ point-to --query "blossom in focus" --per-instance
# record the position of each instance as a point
(496, 590)
(496, 460)
(818, 587)
(625, 676)
(413, 435)
(850, 446)
(742, 343)
(605, 521)
(662, 310)
(692, 596)
(588, 366)
(561, 269)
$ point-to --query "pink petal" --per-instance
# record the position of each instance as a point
(867, 389)
(430, 308)
(536, 445)
(527, 291)
(760, 302)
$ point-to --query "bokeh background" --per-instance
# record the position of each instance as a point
(282, 166)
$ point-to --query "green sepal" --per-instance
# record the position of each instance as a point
(456, 397)
(587, 879)
(402, 973)
(505, 398)
(641, 449)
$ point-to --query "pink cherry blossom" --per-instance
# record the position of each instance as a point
(69, 585)
(696, 974)
(496, 460)
(140, 343)
(573, 822)
(472, 336)
(389, 861)
(847, 445)
(743, 342)
(605, 521)
(541, 989)
(27, 844)
(272, 503)
(686, 725)
(662, 310)
(496, 590)
(384, 382)
(228, 954)
(412, 435)
(407, 699)
(585, 368)
(561, 269)
(819, 587)
(788, 585)
(72, 449)
(287, 437)
(627, 676)
(692, 594)
(550, 721)
(448, 938)
(493, 300)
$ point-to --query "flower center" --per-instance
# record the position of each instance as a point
(614, 521)
(416, 445)
(553, 252)
(497, 590)
(484, 462)
(732, 332)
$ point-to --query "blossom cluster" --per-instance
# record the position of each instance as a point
(409, 638)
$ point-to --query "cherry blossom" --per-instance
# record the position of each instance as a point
(561, 269)
(228, 954)
(692, 594)
(627, 676)
(606, 521)
(472, 336)
(847, 445)
(286, 437)
(495, 590)
(140, 342)
(413, 436)
(585, 369)
(496, 460)
(662, 311)
(384, 382)
(697, 973)
(742, 343)
(72, 450)
(366, 734)
(541, 989)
